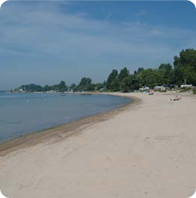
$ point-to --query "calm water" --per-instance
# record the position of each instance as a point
(21, 114)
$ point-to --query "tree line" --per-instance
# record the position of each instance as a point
(84, 85)
(183, 70)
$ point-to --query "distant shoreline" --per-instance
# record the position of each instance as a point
(62, 131)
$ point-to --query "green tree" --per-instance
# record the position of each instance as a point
(98, 86)
(85, 84)
(185, 67)
(32, 88)
(115, 85)
(123, 74)
(129, 83)
(73, 87)
(46, 88)
(148, 77)
(165, 74)
(62, 86)
(85, 81)
(112, 81)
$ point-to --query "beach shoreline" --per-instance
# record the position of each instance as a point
(144, 150)
(64, 130)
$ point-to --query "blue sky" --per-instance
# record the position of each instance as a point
(45, 42)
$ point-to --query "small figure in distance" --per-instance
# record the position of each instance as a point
(151, 92)
(176, 98)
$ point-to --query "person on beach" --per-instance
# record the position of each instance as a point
(151, 92)
(176, 98)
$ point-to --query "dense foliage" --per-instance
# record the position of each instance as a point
(182, 71)
(61, 87)
(185, 67)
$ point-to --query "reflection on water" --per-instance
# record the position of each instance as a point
(21, 114)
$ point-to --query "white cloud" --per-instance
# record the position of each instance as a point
(76, 39)
(48, 31)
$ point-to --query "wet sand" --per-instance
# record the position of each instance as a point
(63, 131)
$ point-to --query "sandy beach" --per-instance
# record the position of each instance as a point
(145, 149)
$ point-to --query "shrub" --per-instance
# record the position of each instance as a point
(185, 89)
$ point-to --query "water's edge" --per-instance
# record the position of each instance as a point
(60, 132)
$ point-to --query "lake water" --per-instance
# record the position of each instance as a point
(21, 114)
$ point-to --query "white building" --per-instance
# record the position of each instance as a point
(145, 89)
(186, 86)
(159, 88)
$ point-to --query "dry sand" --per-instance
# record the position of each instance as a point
(147, 150)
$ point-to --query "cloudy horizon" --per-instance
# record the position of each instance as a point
(45, 42)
